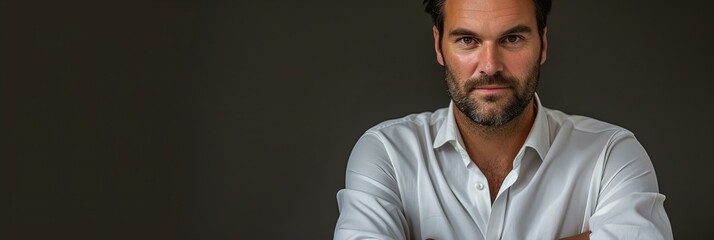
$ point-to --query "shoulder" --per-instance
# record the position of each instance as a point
(565, 124)
(578, 140)
(398, 141)
(413, 125)
(383, 149)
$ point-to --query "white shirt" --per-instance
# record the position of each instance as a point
(411, 178)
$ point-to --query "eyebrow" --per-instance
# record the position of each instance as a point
(518, 29)
(459, 32)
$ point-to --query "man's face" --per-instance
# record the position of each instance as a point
(492, 53)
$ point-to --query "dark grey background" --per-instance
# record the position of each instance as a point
(234, 120)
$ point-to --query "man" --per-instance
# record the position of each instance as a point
(496, 164)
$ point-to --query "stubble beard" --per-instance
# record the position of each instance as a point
(511, 107)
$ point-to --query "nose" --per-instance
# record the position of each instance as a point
(489, 60)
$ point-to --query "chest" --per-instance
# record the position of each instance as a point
(532, 201)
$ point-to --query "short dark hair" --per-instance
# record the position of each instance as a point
(435, 8)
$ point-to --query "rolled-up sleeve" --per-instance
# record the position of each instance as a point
(370, 205)
(629, 205)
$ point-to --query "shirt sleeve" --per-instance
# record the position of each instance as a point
(370, 205)
(629, 205)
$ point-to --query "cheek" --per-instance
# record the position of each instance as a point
(464, 66)
(520, 64)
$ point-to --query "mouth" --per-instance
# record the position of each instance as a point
(491, 89)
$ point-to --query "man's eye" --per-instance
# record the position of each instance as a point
(512, 39)
(466, 40)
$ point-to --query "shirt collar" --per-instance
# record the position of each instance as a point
(538, 138)
(448, 132)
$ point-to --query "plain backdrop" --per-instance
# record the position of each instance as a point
(234, 120)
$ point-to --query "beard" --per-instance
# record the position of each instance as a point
(507, 107)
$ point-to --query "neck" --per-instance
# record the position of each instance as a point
(495, 145)
(493, 148)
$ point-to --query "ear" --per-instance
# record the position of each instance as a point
(437, 45)
(544, 49)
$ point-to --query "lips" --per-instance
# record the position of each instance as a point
(491, 89)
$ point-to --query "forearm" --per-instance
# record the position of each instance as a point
(582, 236)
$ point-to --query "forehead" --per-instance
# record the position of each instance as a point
(489, 13)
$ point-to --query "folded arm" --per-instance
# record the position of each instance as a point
(370, 205)
(629, 204)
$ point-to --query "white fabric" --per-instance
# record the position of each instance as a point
(411, 178)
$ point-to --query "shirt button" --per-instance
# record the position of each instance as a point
(479, 186)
